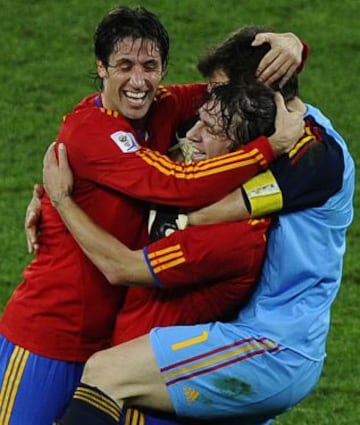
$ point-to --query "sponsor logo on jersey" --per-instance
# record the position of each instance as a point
(125, 141)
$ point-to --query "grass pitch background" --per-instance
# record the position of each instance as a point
(46, 60)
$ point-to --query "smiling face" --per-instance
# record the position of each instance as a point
(207, 136)
(132, 78)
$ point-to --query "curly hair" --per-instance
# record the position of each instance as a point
(247, 110)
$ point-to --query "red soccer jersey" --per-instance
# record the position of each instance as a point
(206, 273)
(64, 308)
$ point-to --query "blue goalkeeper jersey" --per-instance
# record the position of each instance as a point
(303, 267)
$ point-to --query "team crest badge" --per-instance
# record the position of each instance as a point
(125, 141)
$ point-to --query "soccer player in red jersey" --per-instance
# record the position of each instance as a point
(236, 371)
(50, 325)
(177, 266)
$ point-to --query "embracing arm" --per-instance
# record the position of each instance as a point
(236, 205)
(306, 178)
(167, 262)
(231, 208)
(119, 264)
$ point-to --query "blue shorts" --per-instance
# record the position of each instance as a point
(134, 416)
(34, 390)
(222, 370)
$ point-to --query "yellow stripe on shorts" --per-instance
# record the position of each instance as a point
(11, 383)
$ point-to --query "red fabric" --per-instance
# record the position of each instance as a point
(216, 271)
(64, 308)
(150, 176)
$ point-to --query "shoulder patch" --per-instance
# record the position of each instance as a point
(125, 141)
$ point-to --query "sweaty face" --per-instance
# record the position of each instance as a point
(132, 77)
(207, 136)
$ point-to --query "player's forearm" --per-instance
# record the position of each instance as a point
(230, 208)
(119, 264)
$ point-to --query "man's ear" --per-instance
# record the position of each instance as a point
(101, 69)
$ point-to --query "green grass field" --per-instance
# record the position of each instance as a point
(46, 64)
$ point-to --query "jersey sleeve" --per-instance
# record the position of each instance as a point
(307, 177)
(209, 253)
(104, 150)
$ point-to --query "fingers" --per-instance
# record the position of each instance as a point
(274, 67)
(267, 61)
(38, 191)
(282, 60)
(261, 39)
(289, 126)
(31, 232)
(287, 75)
(62, 155)
(50, 156)
(32, 218)
(280, 102)
(29, 237)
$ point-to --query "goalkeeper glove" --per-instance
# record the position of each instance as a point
(165, 220)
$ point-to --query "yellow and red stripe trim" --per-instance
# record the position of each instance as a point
(201, 169)
(217, 359)
(166, 258)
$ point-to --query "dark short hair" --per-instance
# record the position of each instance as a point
(135, 23)
(239, 59)
(248, 110)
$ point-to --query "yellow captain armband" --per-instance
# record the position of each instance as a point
(264, 194)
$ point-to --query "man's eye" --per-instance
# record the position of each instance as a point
(124, 67)
(151, 67)
(121, 66)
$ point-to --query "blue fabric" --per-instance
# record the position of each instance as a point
(220, 370)
(34, 390)
(132, 416)
(303, 267)
(225, 369)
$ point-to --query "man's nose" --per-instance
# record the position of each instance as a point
(194, 132)
(137, 76)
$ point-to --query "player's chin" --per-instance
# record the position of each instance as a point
(137, 112)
